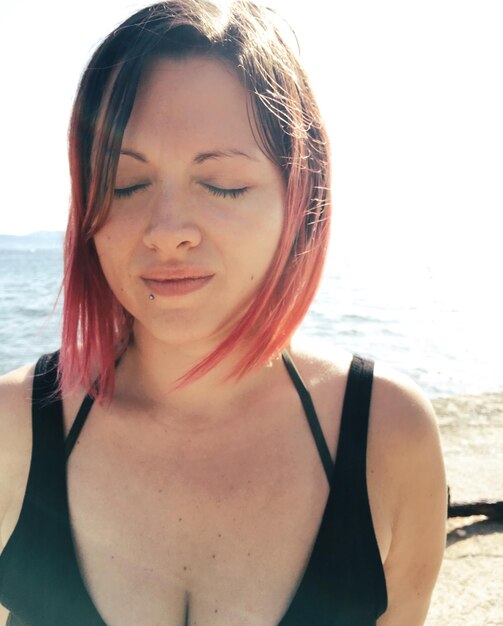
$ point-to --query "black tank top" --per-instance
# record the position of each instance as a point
(342, 584)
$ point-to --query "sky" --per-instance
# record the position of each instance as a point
(412, 94)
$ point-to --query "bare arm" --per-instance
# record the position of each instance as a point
(419, 507)
(15, 445)
(15, 450)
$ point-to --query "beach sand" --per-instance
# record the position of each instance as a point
(469, 588)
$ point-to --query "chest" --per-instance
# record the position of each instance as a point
(174, 532)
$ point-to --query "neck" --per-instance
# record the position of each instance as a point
(149, 369)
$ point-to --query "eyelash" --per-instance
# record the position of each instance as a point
(126, 192)
(226, 193)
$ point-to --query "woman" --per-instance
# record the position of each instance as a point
(214, 475)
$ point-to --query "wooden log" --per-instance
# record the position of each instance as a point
(492, 509)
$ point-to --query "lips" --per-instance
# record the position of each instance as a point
(176, 281)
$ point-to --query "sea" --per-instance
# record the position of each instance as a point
(447, 343)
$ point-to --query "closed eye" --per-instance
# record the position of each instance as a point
(125, 192)
(225, 193)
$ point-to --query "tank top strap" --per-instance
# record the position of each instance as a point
(78, 424)
(352, 446)
(312, 417)
(82, 415)
(351, 458)
(47, 478)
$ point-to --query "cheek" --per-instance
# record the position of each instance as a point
(105, 246)
(117, 235)
(270, 227)
(110, 248)
(260, 242)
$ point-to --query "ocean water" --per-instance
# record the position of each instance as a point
(419, 326)
(30, 321)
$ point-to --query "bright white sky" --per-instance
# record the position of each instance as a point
(412, 93)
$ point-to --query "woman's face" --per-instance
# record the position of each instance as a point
(198, 207)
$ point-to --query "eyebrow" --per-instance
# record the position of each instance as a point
(218, 154)
(136, 155)
(199, 158)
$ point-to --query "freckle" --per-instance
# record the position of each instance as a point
(159, 491)
(184, 567)
(180, 519)
(212, 556)
(216, 610)
(252, 277)
(219, 535)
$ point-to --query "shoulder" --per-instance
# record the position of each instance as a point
(403, 418)
(325, 376)
(408, 443)
(405, 453)
(399, 407)
(15, 404)
(403, 432)
(406, 481)
(400, 411)
(15, 435)
(401, 403)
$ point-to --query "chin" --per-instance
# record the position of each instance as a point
(185, 325)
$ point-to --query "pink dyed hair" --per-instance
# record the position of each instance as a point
(96, 328)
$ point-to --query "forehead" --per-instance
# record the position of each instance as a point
(193, 98)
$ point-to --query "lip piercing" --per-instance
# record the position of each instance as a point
(151, 296)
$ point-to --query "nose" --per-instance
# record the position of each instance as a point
(171, 226)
